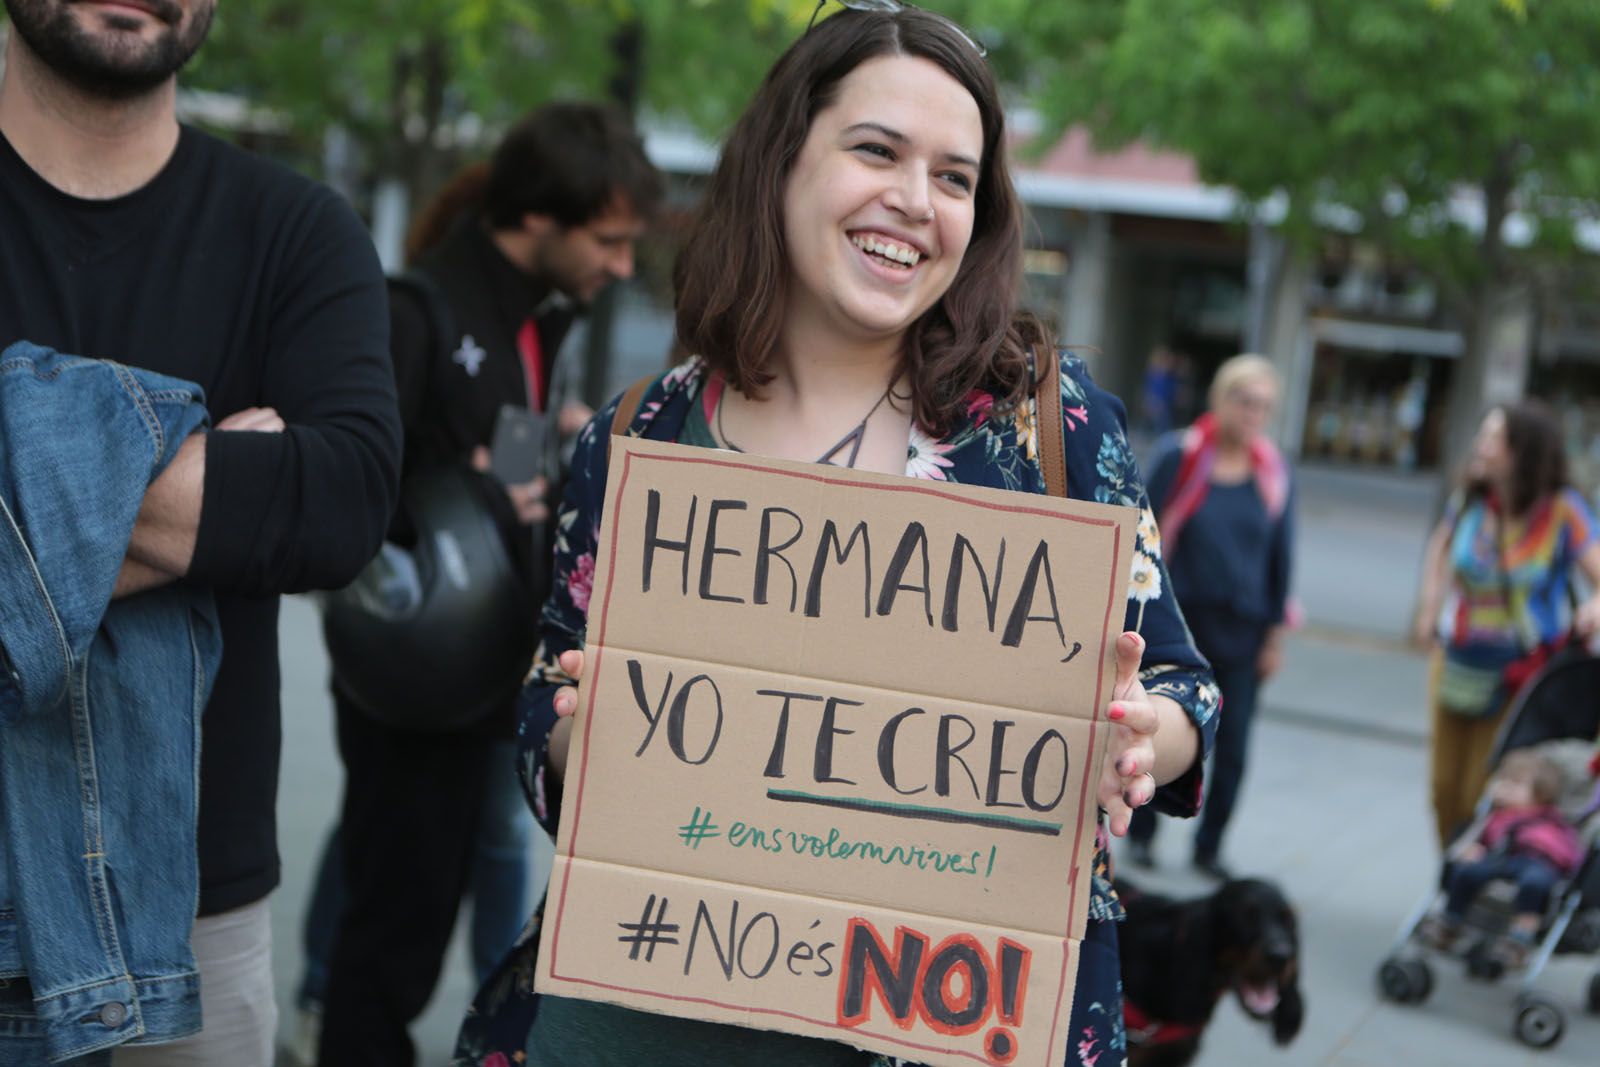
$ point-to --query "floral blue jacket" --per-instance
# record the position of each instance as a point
(988, 447)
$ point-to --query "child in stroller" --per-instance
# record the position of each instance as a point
(1499, 922)
(1526, 840)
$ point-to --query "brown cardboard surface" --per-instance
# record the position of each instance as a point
(866, 712)
(774, 961)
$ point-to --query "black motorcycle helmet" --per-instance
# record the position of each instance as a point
(435, 637)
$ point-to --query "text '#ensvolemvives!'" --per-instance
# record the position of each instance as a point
(836, 847)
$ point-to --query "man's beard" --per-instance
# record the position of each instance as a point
(106, 63)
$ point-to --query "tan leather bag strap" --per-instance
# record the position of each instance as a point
(1047, 421)
(628, 407)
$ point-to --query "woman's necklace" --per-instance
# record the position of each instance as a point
(852, 440)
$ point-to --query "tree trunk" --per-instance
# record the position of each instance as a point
(1497, 326)
(1493, 368)
(429, 163)
(627, 49)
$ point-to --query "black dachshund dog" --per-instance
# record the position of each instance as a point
(1181, 957)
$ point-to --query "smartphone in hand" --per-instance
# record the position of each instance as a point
(517, 453)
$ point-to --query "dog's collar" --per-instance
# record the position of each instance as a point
(1142, 1030)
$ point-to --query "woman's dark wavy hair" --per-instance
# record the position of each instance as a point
(1538, 454)
(732, 276)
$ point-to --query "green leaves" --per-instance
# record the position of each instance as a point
(1388, 107)
(396, 74)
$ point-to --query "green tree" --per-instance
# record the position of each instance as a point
(406, 79)
(1422, 125)
(417, 85)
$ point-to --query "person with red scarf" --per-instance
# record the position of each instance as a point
(1223, 501)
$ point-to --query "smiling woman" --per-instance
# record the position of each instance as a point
(855, 270)
(880, 203)
(875, 145)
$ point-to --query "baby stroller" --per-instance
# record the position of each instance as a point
(1558, 710)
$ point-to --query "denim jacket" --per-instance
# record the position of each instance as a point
(100, 706)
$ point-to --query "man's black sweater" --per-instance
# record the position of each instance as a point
(263, 287)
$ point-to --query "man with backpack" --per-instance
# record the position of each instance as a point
(502, 262)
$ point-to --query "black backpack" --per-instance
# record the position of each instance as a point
(432, 636)
(426, 293)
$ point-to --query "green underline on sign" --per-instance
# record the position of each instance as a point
(916, 811)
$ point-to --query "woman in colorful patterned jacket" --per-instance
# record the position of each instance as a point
(1498, 594)
(850, 291)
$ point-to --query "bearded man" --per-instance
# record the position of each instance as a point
(128, 237)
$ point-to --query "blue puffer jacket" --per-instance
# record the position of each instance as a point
(100, 706)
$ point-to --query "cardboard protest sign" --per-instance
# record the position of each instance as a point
(834, 765)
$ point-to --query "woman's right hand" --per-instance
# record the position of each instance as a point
(566, 703)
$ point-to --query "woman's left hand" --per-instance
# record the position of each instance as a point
(1128, 781)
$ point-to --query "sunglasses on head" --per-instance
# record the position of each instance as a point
(890, 7)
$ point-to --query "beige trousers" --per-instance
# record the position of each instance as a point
(1459, 758)
(234, 954)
